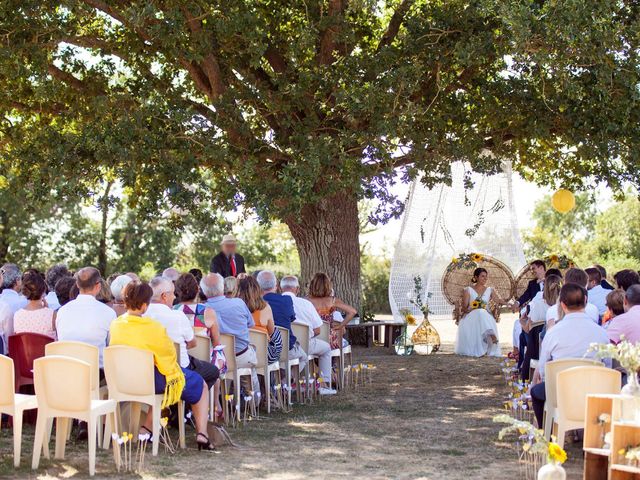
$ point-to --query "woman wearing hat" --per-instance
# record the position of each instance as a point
(228, 263)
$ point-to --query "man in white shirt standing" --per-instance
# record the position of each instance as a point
(307, 314)
(569, 338)
(178, 327)
(597, 294)
(85, 319)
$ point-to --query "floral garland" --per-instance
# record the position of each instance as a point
(559, 261)
(533, 439)
(465, 261)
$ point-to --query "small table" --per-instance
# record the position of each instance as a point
(373, 331)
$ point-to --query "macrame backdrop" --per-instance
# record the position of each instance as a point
(443, 222)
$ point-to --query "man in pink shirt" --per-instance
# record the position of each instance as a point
(627, 324)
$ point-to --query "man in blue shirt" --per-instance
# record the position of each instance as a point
(283, 313)
(234, 318)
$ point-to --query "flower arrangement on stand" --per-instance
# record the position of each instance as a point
(628, 354)
(629, 456)
(425, 339)
(533, 448)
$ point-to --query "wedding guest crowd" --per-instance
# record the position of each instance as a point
(171, 309)
(562, 316)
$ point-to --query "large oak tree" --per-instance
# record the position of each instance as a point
(298, 109)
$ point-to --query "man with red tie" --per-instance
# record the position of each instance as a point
(228, 263)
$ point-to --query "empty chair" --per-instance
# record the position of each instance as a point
(130, 378)
(13, 404)
(63, 390)
(260, 340)
(574, 384)
(550, 378)
(24, 348)
(87, 353)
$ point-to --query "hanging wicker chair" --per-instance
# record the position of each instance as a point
(525, 275)
(458, 276)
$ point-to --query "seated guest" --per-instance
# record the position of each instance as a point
(569, 338)
(307, 314)
(283, 313)
(597, 294)
(85, 319)
(134, 276)
(54, 274)
(626, 278)
(201, 318)
(6, 324)
(603, 273)
(627, 324)
(137, 330)
(178, 328)
(35, 317)
(104, 295)
(326, 304)
(578, 277)
(230, 284)
(171, 274)
(117, 290)
(234, 318)
(541, 303)
(250, 292)
(63, 290)
(615, 306)
(11, 287)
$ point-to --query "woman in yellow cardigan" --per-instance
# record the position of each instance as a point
(135, 330)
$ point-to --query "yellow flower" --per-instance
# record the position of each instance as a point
(455, 260)
(164, 421)
(557, 453)
(476, 257)
(411, 320)
(622, 451)
(475, 304)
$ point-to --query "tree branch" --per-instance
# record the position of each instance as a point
(394, 24)
(328, 37)
(68, 78)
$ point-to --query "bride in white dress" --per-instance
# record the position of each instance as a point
(477, 330)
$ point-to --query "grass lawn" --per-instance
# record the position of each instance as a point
(424, 417)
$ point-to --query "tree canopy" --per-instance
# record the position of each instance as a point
(297, 109)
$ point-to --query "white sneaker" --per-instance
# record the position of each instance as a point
(327, 391)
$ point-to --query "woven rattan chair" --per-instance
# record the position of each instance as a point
(458, 276)
(525, 275)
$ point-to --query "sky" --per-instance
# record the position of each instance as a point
(525, 194)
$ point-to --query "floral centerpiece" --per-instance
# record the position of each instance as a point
(425, 339)
(561, 262)
(628, 354)
(534, 443)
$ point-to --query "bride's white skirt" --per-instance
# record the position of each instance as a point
(474, 331)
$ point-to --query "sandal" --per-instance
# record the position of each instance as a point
(206, 444)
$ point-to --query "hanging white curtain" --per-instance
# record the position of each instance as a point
(443, 222)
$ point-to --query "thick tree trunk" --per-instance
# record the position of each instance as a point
(327, 238)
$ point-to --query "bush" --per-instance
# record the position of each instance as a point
(375, 284)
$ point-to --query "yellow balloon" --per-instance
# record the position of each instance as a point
(563, 201)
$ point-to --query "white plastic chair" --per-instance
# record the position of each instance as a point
(87, 353)
(551, 371)
(260, 340)
(63, 390)
(202, 350)
(233, 372)
(13, 404)
(130, 378)
(286, 363)
(574, 384)
(303, 334)
(339, 353)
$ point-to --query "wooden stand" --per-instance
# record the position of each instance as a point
(607, 464)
